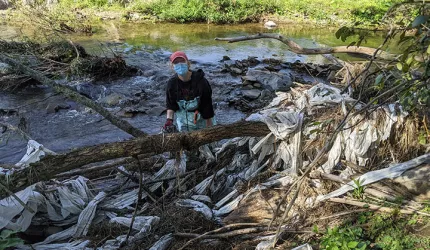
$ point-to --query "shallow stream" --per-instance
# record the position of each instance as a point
(147, 46)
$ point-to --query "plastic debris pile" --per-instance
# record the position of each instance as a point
(275, 160)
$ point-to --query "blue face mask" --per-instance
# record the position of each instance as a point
(181, 68)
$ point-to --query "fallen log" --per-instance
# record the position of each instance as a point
(296, 48)
(72, 94)
(52, 165)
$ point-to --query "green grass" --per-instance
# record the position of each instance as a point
(377, 231)
(239, 11)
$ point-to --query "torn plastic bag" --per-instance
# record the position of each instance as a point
(280, 123)
(323, 94)
(35, 151)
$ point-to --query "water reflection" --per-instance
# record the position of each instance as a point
(198, 39)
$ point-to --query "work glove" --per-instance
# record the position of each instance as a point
(169, 127)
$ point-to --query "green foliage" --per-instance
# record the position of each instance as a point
(7, 239)
(237, 11)
(343, 238)
(410, 72)
(375, 231)
(358, 191)
(213, 11)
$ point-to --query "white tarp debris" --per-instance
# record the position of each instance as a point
(355, 143)
(113, 244)
(226, 209)
(202, 198)
(10, 208)
(391, 172)
(264, 245)
(323, 94)
(35, 151)
(87, 215)
(139, 221)
(281, 123)
(81, 228)
(266, 242)
(74, 245)
(163, 243)
(224, 200)
(196, 206)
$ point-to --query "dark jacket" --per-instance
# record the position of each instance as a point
(198, 86)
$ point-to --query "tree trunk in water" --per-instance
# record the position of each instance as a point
(51, 165)
(71, 93)
(296, 48)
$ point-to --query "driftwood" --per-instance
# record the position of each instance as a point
(69, 92)
(52, 165)
(294, 47)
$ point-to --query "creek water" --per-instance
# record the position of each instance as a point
(147, 46)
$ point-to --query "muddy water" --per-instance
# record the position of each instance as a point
(147, 46)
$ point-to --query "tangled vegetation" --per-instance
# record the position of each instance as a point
(239, 11)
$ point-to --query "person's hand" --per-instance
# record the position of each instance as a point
(169, 127)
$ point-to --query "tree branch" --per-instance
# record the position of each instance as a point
(52, 165)
(296, 48)
(71, 93)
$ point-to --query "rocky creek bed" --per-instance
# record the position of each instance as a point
(239, 87)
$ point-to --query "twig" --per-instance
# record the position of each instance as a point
(342, 214)
(284, 216)
(171, 178)
(235, 233)
(199, 237)
(139, 198)
(369, 206)
(131, 177)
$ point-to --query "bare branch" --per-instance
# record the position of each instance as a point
(296, 48)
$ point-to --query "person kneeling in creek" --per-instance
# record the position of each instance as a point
(189, 96)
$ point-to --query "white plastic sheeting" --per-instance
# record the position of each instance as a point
(74, 245)
(10, 208)
(355, 143)
(163, 243)
(35, 151)
(140, 222)
(283, 125)
(363, 135)
(196, 206)
(391, 172)
(72, 198)
(85, 219)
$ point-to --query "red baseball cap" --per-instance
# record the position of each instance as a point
(178, 54)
